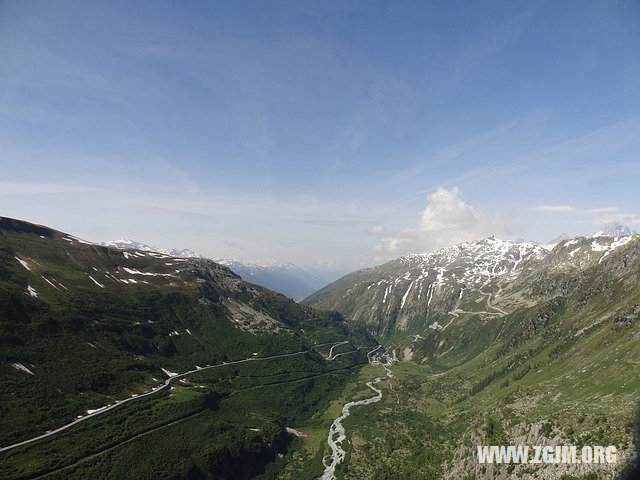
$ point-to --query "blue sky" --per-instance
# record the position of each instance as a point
(333, 134)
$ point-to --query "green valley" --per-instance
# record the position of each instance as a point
(205, 376)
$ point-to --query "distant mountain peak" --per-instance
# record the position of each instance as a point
(284, 277)
(127, 243)
(258, 264)
(561, 238)
(490, 243)
(616, 230)
(174, 252)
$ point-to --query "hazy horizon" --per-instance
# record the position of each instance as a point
(333, 136)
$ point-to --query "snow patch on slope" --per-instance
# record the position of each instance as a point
(23, 263)
(96, 282)
(19, 366)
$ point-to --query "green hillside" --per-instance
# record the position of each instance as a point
(83, 326)
(559, 366)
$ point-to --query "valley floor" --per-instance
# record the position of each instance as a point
(424, 429)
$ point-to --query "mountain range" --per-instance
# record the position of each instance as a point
(143, 247)
(113, 353)
(421, 290)
(291, 280)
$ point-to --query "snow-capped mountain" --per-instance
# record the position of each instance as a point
(422, 287)
(289, 279)
(174, 252)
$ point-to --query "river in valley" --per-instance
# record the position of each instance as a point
(336, 432)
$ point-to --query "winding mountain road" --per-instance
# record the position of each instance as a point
(159, 388)
(488, 295)
(329, 357)
(498, 311)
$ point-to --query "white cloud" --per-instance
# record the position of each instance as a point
(332, 223)
(628, 219)
(34, 188)
(595, 216)
(375, 230)
(555, 208)
(602, 210)
(446, 220)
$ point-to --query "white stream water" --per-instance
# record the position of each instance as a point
(336, 432)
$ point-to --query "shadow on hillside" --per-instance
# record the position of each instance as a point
(631, 471)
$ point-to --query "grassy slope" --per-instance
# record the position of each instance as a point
(88, 346)
(227, 423)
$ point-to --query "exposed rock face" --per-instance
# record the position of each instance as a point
(420, 288)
